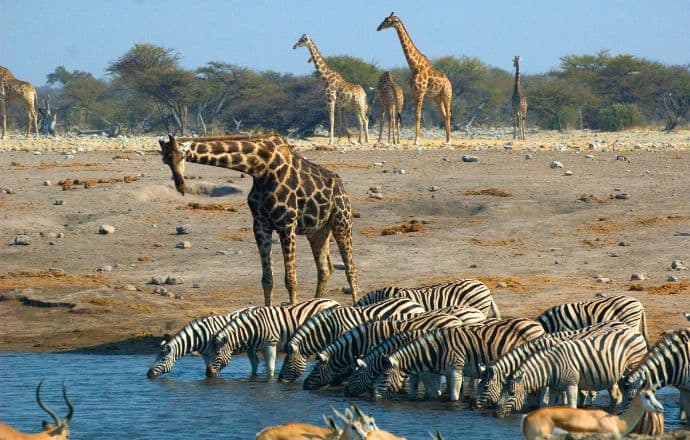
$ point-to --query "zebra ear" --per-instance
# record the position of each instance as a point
(391, 361)
(293, 347)
(519, 377)
(482, 369)
(361, 363)
(322, 356)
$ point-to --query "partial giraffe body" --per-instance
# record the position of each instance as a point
(268, 328)
(13, 89)
(290, 195)
(390, 98)
(519, 104)
(339, 93)
(425, 80)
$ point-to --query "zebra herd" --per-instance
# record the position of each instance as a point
(393, 339)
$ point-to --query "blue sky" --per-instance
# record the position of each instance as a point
(37, 36)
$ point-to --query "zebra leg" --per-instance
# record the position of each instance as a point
(454, 378)
(431, 385)
(571, 394)
(253, 359)
(616, 398)
(684, 405)
(413, 386)
(545, 398)
(270, 357)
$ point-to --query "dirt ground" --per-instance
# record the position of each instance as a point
(534, 234)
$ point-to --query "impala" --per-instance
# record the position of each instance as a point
(58, 431)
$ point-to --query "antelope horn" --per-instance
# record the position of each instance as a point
(68, 418)
(44, 407)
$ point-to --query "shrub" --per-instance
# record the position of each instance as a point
(618, 116)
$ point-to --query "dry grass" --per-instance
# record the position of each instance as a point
(239, 235)
(496, 192)
(48, 278)
(413, 226)
(500, 243)
(217, 207)
(674, 288)
(68, 184)
(146, 258)
(601, 226)
(344, 165)
(654, 221)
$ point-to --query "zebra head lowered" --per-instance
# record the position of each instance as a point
(392, 381)
(294, 364)
(514, 399)
(489, 389)
(222, 355)
(165, 360)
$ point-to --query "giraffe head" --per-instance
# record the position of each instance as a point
(302, 42)
(516, 61)
(174, 156)
(390, 21)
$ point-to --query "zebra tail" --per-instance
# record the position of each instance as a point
(643, 328)
(494, 309)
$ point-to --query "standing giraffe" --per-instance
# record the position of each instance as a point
(13, 89)
(390, 97)
(425, 80)
(289, 195)
(338, 91)
(519, 103)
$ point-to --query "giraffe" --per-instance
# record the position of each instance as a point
(425, 80)
(519, 102)
(390, 97)
(289, 195)
(338, 91)
(13, 89)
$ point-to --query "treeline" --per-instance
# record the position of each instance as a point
(148, 91)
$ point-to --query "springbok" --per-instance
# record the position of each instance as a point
(544, 422)
(302, 431)
(58, 431)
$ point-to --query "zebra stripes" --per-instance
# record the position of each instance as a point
(337, 360)
(319, 331)
(470, 293)
(666, 364)
(589, 364)
(572, 316)
(196, 336)
(455, 352)
(492, 382)
(268, 327)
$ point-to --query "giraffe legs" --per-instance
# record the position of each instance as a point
(383, 114)
(343, 237)
(443, 104)
(262, 235)
(418, 102)
(331, 119)
(363, 125)
(289, 244)
(319, 242)
(3, 108)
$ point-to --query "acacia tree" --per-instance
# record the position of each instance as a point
(154, 71)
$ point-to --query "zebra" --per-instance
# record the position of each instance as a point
(572, 316)
(471, 293)
(196, 336)
(267, 327)
(667, 363)
(590, 364)
(324, 328)
(455, 352)
(492, 382)
(337, 360)
(371, 365)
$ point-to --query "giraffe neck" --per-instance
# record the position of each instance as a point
(518, 84)
(246, 157)
(321, 66)
(415, 58)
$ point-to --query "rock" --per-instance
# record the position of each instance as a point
(37, 153)
(46, 183)
(58, 202)
(339, 266)
(473, 266)
(104, 269)
(638, 277)
(434, 188)
(589, 156)
(568, 173)
(129, 288)
(555, 164)
(161, 291)
(61, 235)
(620, 157)
(184, 229)
(183, 245)
(157, 281)
(678, 265)
(398, 171)
(157, 244)
(469, 158)
(21, 240)
(346, 290)
(51, 234)
(378, 164)
(671, 278)
(374, 189)
(501, 285)
(614, 254)
(594, 145)
(106, 229)
(196, 285)
(377, 196)
(528, 156)
(621, 196)
(623, 243)
(174, 279)
(51, 243)
(603, 280)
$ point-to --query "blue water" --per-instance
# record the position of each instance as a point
(114, 399)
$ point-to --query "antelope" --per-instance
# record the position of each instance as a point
(544, 422)
(302, 431)
(58, 431)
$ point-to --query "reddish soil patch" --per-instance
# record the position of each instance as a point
(403, 228)
(496, 192)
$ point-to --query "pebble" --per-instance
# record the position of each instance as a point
(58, 202)
(106, 229)
(672, 278)
(378, 164)
(638, 277)
(60, 235)
(398, 171)
(561, 148)
(221, 252)
(501, 285)
(104, 269)
(621, 196)
(473, 266)
(374, 189)
(555, 164)
(434, 188)
(347, 290)
(377, 196)
(623, 243)
(50, 234)
(568, 173)
(184, 229)
(339, 266)
(589, 156)
(174, 279)
(157, 244)
(47, 183)
(678, 265)
(528, 156)
(469, 158)
(157, 281)
(594, 145)
(183, 245)
(129, 288)
(614, 254)
(196, 285)
(620, 157)
(51, 243)
(21, 240)
(37, 153)
(603, 280)
(161, 291)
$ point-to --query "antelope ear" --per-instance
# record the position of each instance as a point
(361, 363)
(330, 422)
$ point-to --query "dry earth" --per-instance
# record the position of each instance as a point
(509, 221)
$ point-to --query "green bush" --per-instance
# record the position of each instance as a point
(618, 116)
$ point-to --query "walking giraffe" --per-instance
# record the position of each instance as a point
(290, 195)
(338, 91)
(13, 89)
(390, 97)
(425, 80)
(519, 102)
